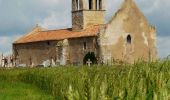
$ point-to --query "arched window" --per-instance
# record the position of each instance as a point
(129, 39)
(84, 45)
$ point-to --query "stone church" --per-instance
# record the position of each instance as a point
(127, 37)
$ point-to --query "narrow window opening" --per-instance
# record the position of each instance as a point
(48, 43)
(78, 4)
(100, 4)
(97, 4)
(129, 39)
(90, 4)
(84, 45)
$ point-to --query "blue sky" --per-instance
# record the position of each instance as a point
(20, 16)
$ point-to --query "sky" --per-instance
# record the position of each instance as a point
(20, 16)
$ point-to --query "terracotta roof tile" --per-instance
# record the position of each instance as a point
(37, 36)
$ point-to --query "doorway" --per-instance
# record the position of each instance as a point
(90, 56)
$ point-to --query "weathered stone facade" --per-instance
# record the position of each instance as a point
(127, 37)
(128, 22)
(35, 53)
(83, 15)
(67, 51)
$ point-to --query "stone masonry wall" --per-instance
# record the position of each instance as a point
(77, 51)
(69, 51)
(93, 18)
(86, 18)
(35, 53)
(77, 20)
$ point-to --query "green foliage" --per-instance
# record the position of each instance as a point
(117, 82)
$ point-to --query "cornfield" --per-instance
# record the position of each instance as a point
(150, 81)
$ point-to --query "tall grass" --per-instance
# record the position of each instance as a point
(132, 82)
(21, 91)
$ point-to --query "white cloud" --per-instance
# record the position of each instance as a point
(55, 20)
(6, 44)
(153, 7)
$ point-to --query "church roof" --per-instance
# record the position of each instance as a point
(39, 35)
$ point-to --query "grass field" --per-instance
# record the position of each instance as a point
(141, 81)
(21, 91)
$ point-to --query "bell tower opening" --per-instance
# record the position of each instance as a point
(98, 4)
(90, 4)
(78, 4)
(87, 13)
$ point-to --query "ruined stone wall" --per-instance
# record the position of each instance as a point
(35, 53)
(128, 21)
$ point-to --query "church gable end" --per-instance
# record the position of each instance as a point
(128, 23)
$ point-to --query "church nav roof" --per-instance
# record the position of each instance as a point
(38, 35)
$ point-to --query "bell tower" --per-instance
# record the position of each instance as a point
(86, 13)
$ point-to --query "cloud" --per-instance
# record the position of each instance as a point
(19, 16)
(157, 12)
(6, 44)
(55, 20)
(163, 46)
(146, 6)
